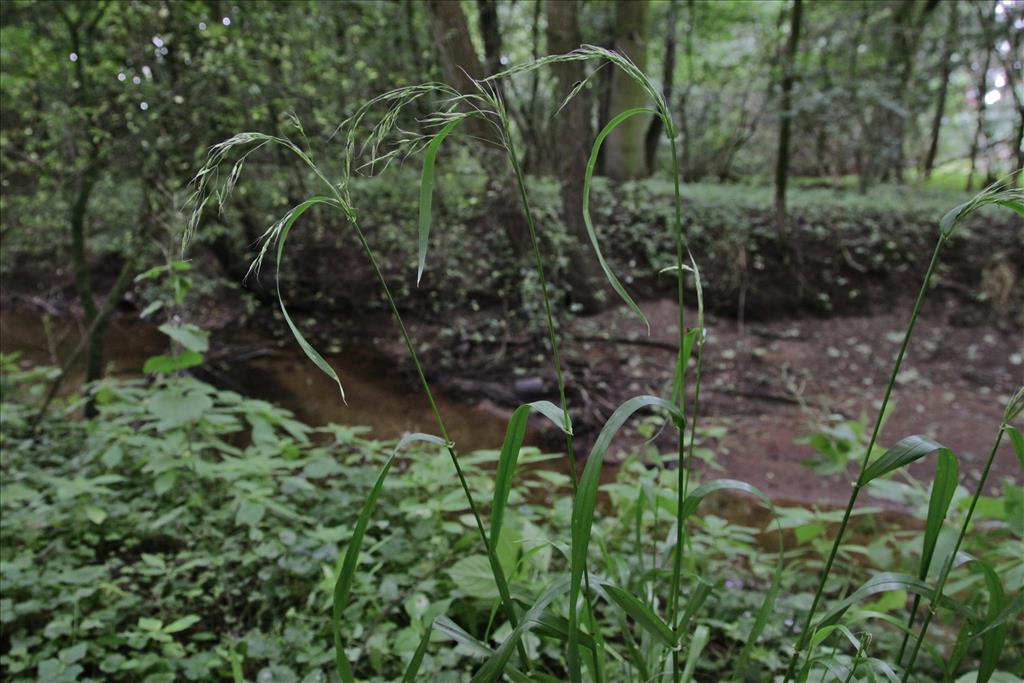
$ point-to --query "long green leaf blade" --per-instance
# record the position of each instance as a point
(591, 232)
(343, 585)
(583, 510)
(495, 665)
(427, 193)
(905, 451)
(509, 456)
(306, 347)
(641, 614)
(413, 669)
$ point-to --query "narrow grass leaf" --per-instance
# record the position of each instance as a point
(343, 586)
(495, 665)
(1008, 612)
(413, 669)
(1018, 443)
(881, 583)
(583, 510)
(947, 476)
(449, 628)
(307, 348)
(515, 433)
(701, 636)
(557, 627)
(591, 232)
(641, 614)
(906, 451)
(427, 193)
(992, 640)
(697, 598)
(690, 505)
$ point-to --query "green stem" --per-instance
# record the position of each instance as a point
(682, 466)
(947, 566)
(555, 354)
(499, 574)
(806, 632)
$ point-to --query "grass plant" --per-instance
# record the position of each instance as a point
(661, 602)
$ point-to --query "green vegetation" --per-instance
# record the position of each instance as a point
(159, 542)
(162, 527)
(660, 634)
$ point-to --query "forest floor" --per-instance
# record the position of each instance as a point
(765, 383)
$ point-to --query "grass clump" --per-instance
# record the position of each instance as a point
(617, 623)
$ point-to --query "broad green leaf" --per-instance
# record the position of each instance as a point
(192, 337)
(427, 193)
(343, 585)
(96, 515)
(250, 513)
(181, 624)
(905, 451)
(472, 576)
(583, 510)
(591, 232)
(175, 407)
(306, 347)
(150, 624)
(163, 365)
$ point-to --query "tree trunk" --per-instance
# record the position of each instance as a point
(888, 128)
(940, 102)
(461, 65)
(785, 119)
(624, 148)
(573, 137)
(979, 128)
(490, 29)
(684, 118)
(668, 76)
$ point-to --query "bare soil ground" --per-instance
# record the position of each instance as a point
(771, 382)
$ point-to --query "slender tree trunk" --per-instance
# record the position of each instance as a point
(573, 136)
(624, 148)
(684, 117)
(668, 76)
(785, 120)
(979, 127)
(490, 29)
(940, 102)
(461, 65)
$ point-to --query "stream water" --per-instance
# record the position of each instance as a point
(378, 395)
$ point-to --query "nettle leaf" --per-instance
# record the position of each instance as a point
(175, 407)
(192, 337)
(163, 365)
(472, 576)
(181, 624)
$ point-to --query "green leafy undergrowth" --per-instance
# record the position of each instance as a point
(190, 533)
